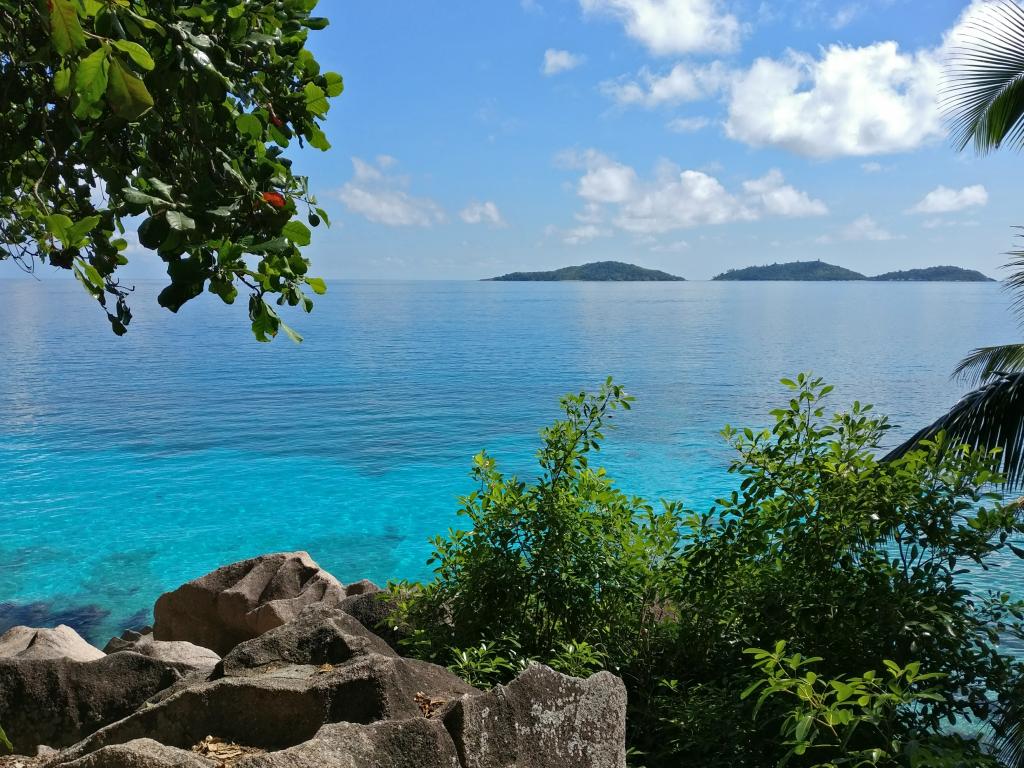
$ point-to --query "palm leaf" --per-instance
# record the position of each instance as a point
(983, 97)
(986, 363)
(991, 416)
(5, 742)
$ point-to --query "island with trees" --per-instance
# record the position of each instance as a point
(822, 271)
(598, 271)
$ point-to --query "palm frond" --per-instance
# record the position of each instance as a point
(1015, 282)
(983, 95)
(991, 416)
(986, 363)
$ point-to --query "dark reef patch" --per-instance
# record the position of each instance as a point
(84, 619)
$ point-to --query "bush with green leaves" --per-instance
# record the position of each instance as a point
(567, 566)
(851, 559)
(857, 721)
(823, 547)
(173, 116)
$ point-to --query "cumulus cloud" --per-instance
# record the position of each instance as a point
(556, 61)
(482, 213)
(668, 27)
(780, 199)
(865, 228)
(688, 124)
(871, 100)
(682, 83)
(946, 200)
(675, 198)
(384, 199)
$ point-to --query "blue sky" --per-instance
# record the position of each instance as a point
(476, 138)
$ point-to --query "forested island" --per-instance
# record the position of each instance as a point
(603, 271)
(821, 271)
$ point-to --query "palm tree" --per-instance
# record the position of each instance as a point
(984, 104)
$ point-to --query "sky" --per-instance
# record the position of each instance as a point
(477, 138)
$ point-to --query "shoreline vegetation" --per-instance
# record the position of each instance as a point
(797, 271)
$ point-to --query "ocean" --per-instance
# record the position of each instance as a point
(131, 465)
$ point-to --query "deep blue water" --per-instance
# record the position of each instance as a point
(128, 466)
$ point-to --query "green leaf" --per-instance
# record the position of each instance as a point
(179, 221)
(153, 231)
(317, 284)
(57, 224)
(297, 232)
(250, 125)
(236, 11)
(62, 82)
(65, 28)
(316, 101)
(91, 76)
(77, 232)
(137, 53)
(128, 96)
(291, 333)
(318, 139)
(335, 83)
(5, 742)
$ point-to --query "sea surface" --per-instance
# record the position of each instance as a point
(128, 466)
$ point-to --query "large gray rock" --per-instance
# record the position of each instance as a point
(543, 719)
(179, 654)
(417, 743)
(243, 600)
(60, 643)
(372, 609)
(59, 701)
(140, 753)
(286, 706)
(317, 636)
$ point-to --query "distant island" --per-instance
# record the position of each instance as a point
(605, 271)
(819, 270)
(936, 274)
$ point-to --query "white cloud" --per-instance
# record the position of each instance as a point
(482, 213)
(556, 61)
(668, 27)
(677, 246)
(531, 6)
(383, 199)
(780, 199)
(865, 228)
(845, 15)
(583, 234)
(850, 101)
(682, 83)
(675, 198)
(605, 180)
(946, 200)
(872, 167)
(688, 124)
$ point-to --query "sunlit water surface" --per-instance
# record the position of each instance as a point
(128, 466)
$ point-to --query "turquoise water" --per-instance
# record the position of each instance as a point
(128, 466)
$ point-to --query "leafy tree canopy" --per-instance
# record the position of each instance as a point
(172, 116)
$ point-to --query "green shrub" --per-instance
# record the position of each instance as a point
(821, 546)
(568, 566)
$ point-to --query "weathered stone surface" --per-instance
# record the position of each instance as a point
(243, 600)
(317, 636)
(60, 643)
(543, 719)
(417, 743)
(59, 701)
(175, 653)
(140, 753)
(372, 608)
(286, 706)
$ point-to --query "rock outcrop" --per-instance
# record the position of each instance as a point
(543, 719)
(302, 684)
(179, 654)
(59, 643)
(243, 600)
(56, 702)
